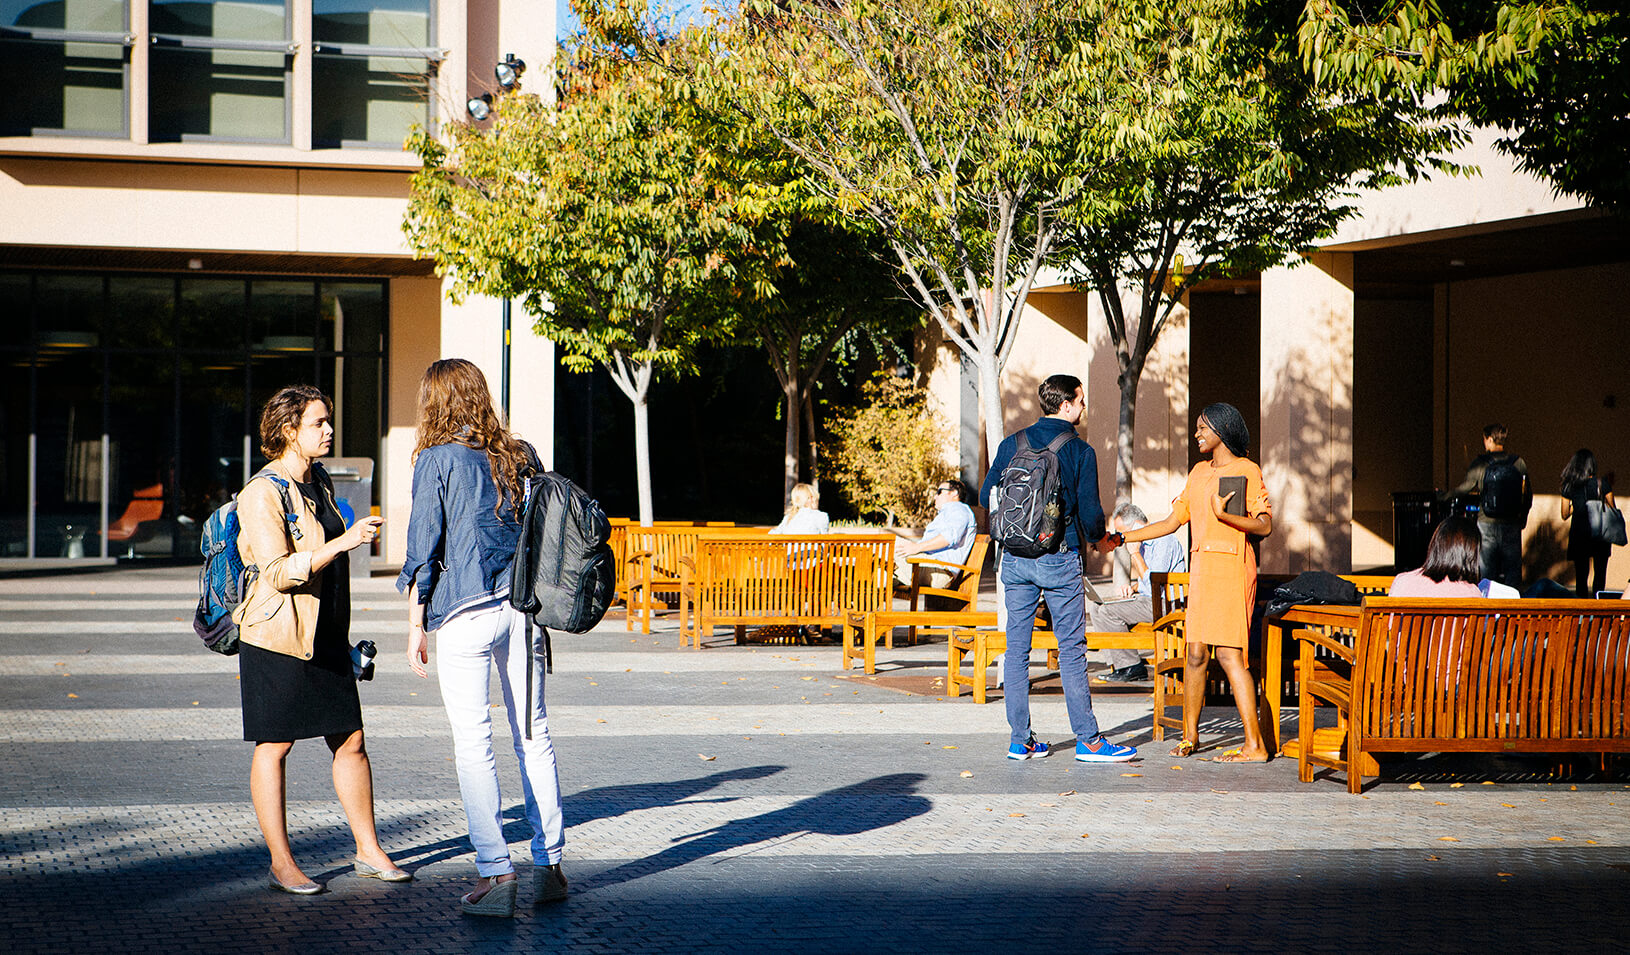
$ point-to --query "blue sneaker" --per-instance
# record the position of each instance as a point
(1030, 749)
(1104, 752)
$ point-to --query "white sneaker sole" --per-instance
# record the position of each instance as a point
(1095, 758)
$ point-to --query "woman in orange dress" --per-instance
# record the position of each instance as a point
(1222, 571)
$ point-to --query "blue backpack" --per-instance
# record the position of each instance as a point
(223, 580)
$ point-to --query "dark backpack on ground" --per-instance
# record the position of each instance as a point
(1503, 489)
(1027, 509)
(223, 580)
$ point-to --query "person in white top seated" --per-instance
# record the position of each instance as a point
(948, 537)
(1452, 567)
(804, 515)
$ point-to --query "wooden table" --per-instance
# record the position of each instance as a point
(1329, 617)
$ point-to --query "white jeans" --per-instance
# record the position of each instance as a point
(466, 647)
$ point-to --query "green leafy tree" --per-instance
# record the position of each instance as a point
(835, 288)
(958, 131)
(887, 452)
(1251, 164)
(604, 217)
(1549, 74)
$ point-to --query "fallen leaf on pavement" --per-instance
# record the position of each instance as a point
(73, 696)
(1131, 774)
(708, 759)
(1433, 859)
(1556, 839)
(1416, 786)
(1222, 792)
(966, 774)
(1503, 874)
(1508, 805)
(1456, 785)
(947, 747)
(1049, 805)
(1015, 815)
(1447, 839)
(1086, 835)
(599, 721)
(1440, 803)
(1069, 793)
(1488, 782)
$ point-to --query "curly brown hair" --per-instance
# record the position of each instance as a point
(284, 411)
(455, 407)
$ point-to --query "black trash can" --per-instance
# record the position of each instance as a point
(1415, 515)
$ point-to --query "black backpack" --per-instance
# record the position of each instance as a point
(1503, 487)
(563, 575)
(1027, 510)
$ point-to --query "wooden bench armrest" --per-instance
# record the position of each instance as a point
(1334, 690)
(923, 559)
(1320, 639)
(1174, 617)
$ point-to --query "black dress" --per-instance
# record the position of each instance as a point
(286, 698)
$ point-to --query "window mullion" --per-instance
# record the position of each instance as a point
(300, 95)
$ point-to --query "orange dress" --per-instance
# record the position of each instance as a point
(1222, 561)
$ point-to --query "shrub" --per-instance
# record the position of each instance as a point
(887, 454)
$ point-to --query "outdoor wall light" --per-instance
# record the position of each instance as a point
(480, 107)
(509, 72)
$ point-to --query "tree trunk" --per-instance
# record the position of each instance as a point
(793, 448)
(811, 451)
(1124, 446)
(990, 402)
(642, 455)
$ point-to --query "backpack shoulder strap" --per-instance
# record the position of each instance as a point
(1021, 440)
(1057, 444)
(290, 516)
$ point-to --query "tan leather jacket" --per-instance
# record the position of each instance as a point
(279, 611)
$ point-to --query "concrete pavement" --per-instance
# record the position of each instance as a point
(734, 798)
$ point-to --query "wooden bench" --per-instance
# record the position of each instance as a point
(1170, 658)
(628, 571)
(656, 556)
(1549, 676)
(986, 645)
(786, 579)
(862, 628)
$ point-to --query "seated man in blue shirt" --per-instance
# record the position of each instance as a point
(948, 537)
(1135, 606)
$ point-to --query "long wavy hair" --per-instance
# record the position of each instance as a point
(1581, 468)
(455, 407)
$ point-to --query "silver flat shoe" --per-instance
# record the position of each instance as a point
(548, 884)
(498, 902)
(304, 888)
(366, 871)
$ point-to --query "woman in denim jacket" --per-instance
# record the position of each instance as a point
(468, 488)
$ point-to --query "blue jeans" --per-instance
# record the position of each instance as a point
(1026, 581)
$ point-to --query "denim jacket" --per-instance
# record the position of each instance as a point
(458, 550)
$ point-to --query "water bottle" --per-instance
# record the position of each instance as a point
(362, 660)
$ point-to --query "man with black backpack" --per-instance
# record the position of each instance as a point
(1042, 493)
(1499, 480)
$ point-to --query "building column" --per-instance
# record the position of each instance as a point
(1306, 392)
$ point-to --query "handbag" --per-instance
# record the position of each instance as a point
(1606, 523)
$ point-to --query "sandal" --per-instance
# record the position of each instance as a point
(497, 901)
(1183, 750)
(1236, 756)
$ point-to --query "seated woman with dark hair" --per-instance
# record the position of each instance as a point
(1452, 568)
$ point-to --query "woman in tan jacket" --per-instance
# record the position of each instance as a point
(294, 658)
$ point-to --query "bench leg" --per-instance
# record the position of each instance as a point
(953, 668)
(981, 661)
(741, 634)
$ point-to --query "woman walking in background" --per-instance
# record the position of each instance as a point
(1580, 486)
(1225, 504)
(469, 484)
(294, 659)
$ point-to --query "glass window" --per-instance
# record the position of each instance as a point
(15, 294)
(142, 455)
(68, 482)
(141, 312)
(282, 317)
(353, 316)
(210, 313)
(264, 20)
(219, 94)
(54, 85)
(15, 378)
(68, 310)
(213, 426)
(399, 23)
(368, 99)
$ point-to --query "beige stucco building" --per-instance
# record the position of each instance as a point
(202, 201)
(1369, 368)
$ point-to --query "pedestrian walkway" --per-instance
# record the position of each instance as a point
(738, 798)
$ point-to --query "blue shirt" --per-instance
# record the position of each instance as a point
(1163, 554)
(1079, 464)
(458, 549)
(954, 522)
